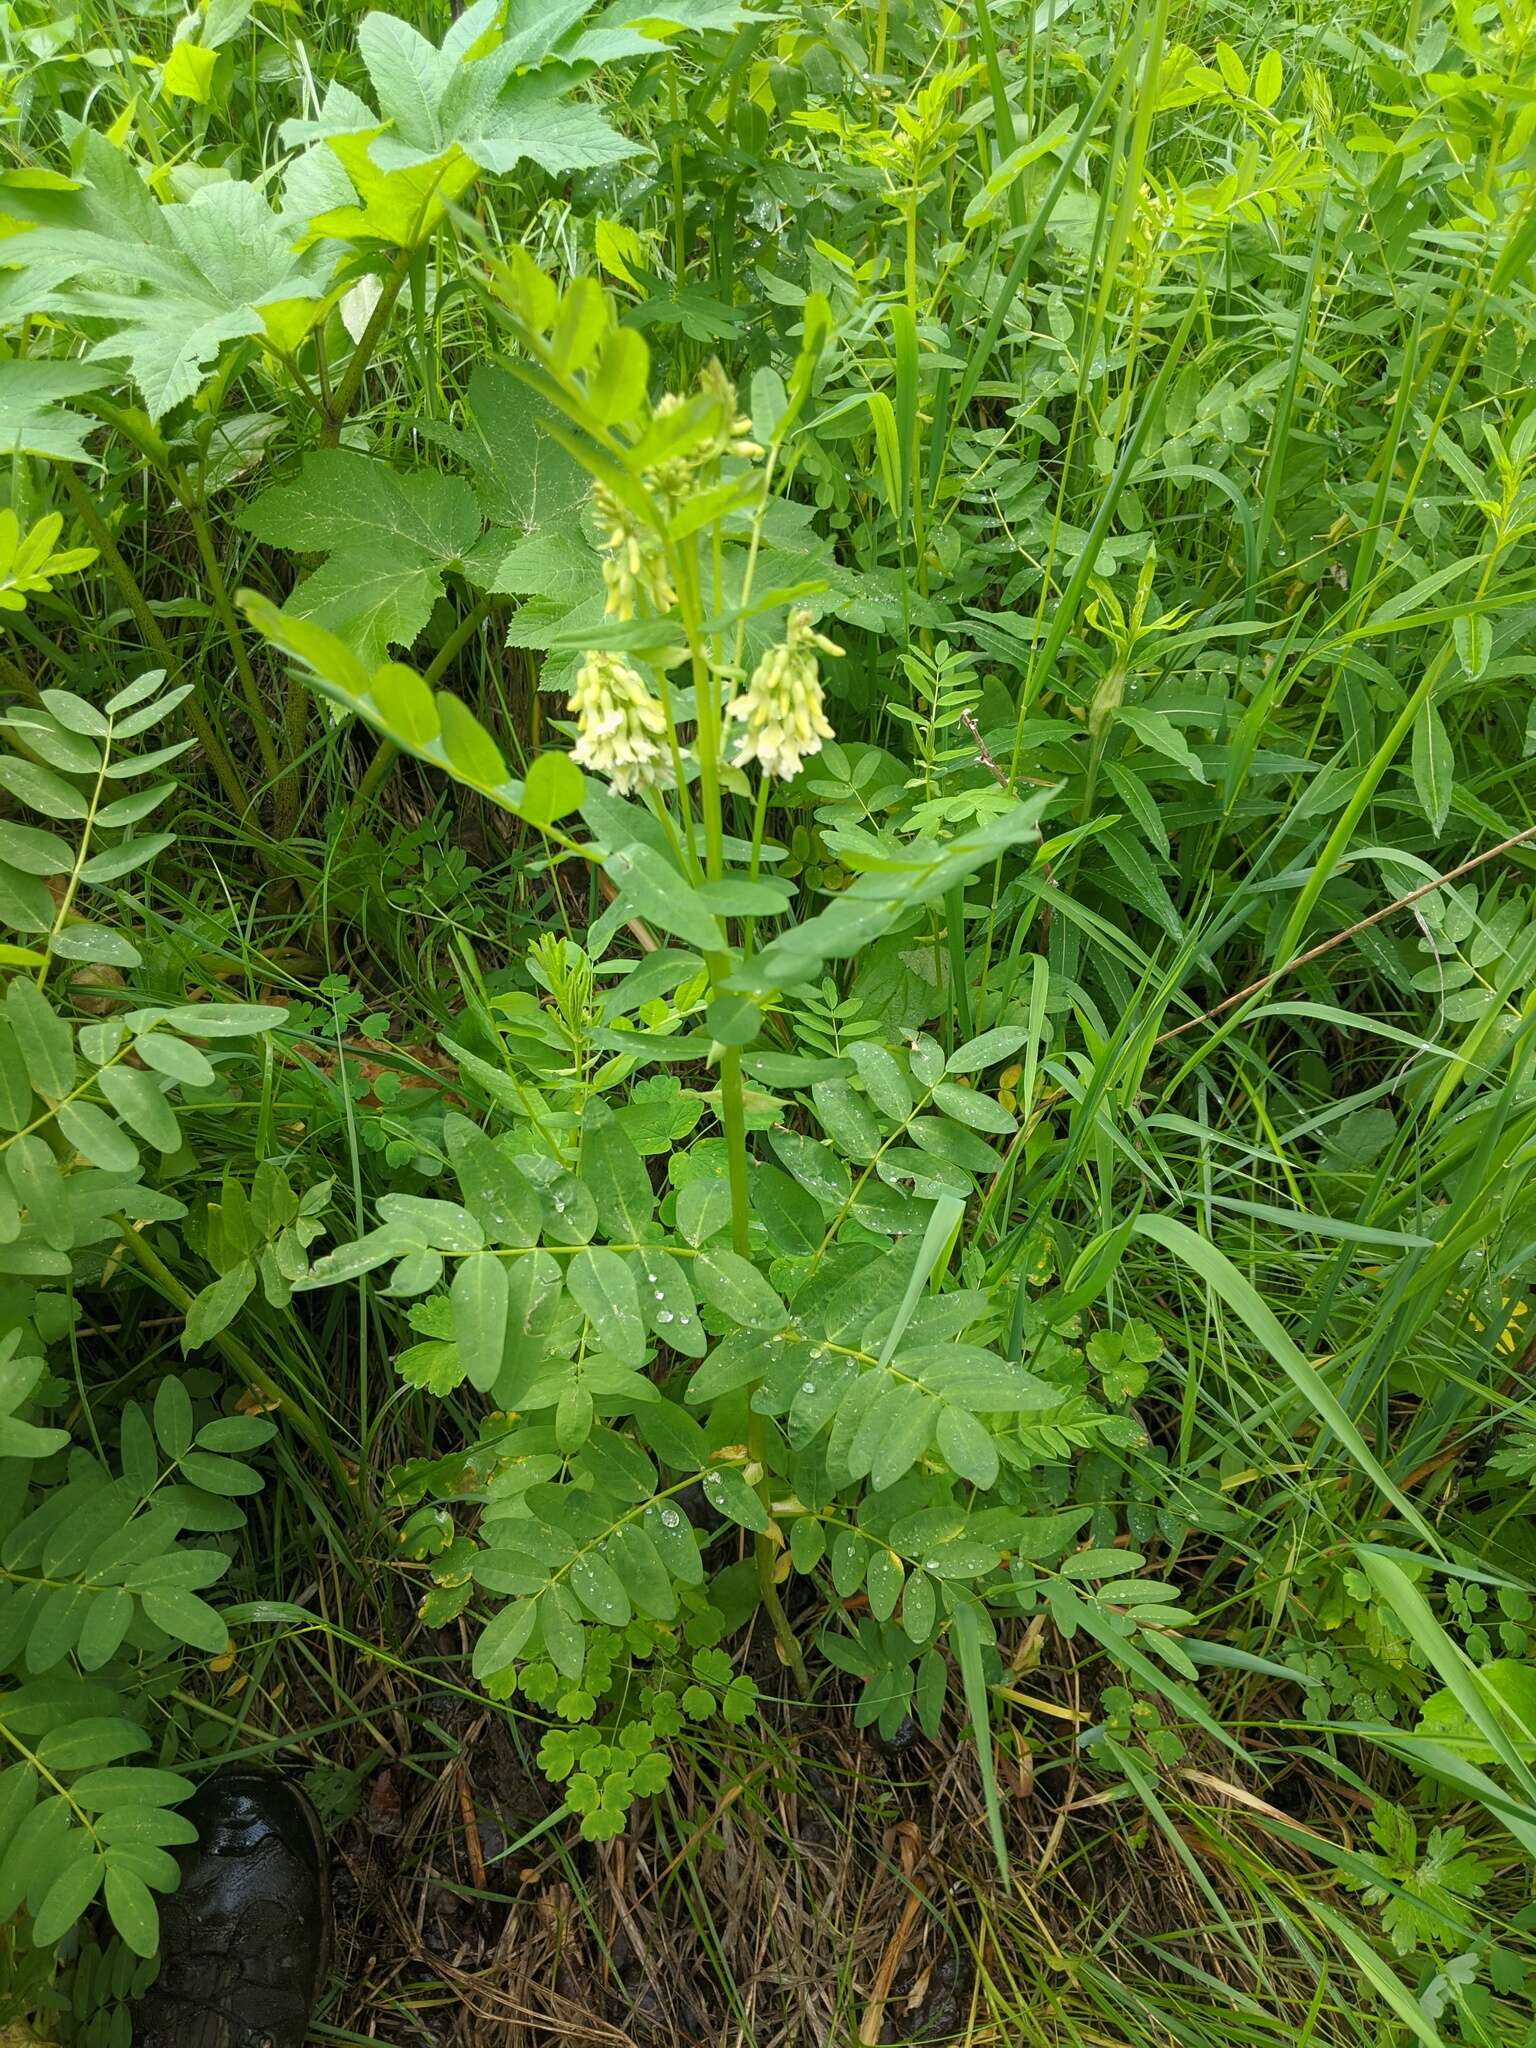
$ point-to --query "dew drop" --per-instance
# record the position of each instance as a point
(664, 1315)
(807, 1386)
(670, 1518)
(685, 1321)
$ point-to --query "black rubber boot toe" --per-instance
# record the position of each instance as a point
(245, 1942)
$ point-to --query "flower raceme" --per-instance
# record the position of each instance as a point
(635, 563)
(781, 706)
(621, 729)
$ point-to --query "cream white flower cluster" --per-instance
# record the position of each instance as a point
(781, 706)
(621, 729)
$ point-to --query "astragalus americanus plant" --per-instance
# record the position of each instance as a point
(862, 1179)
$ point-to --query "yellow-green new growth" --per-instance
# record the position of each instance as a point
(28, 563)
(781, 706)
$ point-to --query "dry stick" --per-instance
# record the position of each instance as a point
(1338, 939)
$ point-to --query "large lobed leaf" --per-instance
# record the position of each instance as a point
(169, 284)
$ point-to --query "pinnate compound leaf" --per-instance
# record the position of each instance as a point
(99, 1791)
(615, 1174)
(564, 1638)
(500, 1198)
(504, 1638)
(139, 1099)
(183, 1615)
(733, 1285)
(216, 1307)
(43, 1038)
(553, 787)
(71, 1891)
(393, 699)
(869, 908)
(967, 1447)
(729, 1494)
(599, 1588)
(97, 1138)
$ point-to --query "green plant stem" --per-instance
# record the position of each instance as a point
(250, 689)
(16, 679)
(733, 1114)
(250, 1369)
(352, 383)
(235, 794)
(295, 725)
(372, 780)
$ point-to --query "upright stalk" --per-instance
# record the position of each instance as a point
(235, 793)
(733, 1111)
(250, 689)
(347, 390)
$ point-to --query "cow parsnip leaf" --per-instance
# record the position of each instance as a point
(388, 538)
(34, 419)
(399, 204)
(498, 92)
(165, 287)
(525, 481)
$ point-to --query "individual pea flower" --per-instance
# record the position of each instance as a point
(635, 564)
(621, 729)
(734, 434)
(781, 706)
